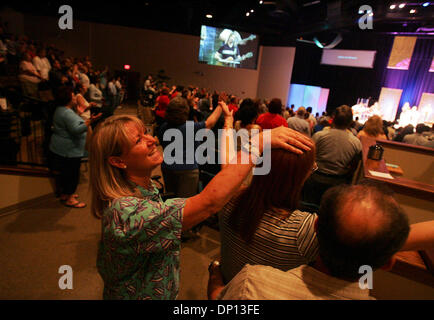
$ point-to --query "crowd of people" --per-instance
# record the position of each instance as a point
(268, 242)
(271, 248)
(82, 93)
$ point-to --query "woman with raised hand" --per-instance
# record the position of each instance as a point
(138, 256)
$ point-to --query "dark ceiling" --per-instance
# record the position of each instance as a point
(278, 22)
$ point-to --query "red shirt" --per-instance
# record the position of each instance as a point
(162, 101)
(271, 121)
(233, 107)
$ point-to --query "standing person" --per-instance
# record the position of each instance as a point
(273, 118)
(29, 77)
(112, 94)
(42, 64)
(138, 255)
(182, 179)
(119, 90)
(161, 104)
(233, 105)
(67, 146)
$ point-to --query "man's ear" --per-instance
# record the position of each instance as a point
(389, 265)
(117, 162)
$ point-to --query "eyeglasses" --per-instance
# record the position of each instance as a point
(315, 167)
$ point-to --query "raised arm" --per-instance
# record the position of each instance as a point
(421, 237)
(213, 118)
(223, 186)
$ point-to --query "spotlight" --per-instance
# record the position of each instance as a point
(252, 11)
(412, 11)
(393, 6)
(402, 5)
(261, 2)
(248, 14)
(426, 4)
(209, 16)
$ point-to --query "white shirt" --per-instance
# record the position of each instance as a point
(302, 283)
(84, 80)
(112, 88)
(43, 66)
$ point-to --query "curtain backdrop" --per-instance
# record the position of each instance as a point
(346, 84)
(417, 79)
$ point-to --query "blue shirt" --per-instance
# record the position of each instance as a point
(69, 134)
(192, 165)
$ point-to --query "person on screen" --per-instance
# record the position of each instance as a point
(229, 54)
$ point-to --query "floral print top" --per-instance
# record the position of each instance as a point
(138, 256)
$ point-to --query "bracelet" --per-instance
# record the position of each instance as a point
(251, 149)
(214, 263)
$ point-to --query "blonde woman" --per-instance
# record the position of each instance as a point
(138, 255)
(373, 129)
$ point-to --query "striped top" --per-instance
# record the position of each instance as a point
(282, 243)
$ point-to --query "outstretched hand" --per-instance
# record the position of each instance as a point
(291, 140)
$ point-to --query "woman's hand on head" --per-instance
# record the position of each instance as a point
(291, 140)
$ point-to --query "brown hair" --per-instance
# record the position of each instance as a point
(280, 189)
(177, 112)
(374, 126)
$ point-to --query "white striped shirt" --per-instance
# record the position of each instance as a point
(283, 243)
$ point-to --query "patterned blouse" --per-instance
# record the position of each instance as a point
(138, 256)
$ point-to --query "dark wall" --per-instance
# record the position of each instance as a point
(346, 84)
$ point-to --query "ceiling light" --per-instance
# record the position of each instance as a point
(426, 4)
(402, 5)
(209, 16)
(393, 6)
(252, 11)
(248, 14)
(261, 2)
(412, 11)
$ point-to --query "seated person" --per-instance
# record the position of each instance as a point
(262, 225)
(337, 155)
(357, 226)
(417, 138)
(373, 129)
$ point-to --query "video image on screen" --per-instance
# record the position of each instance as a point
(228, 48)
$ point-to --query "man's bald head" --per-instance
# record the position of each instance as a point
(359, 225)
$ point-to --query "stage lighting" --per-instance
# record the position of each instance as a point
(402, 5)
(412, 11)
(248, 14)
(261, 2)
(209, 16)
(252, 11)
(393, 6)
(426, 4)
(127, 67)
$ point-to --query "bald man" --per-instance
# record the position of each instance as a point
(357, 226)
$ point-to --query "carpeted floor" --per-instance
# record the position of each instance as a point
(40, 238)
